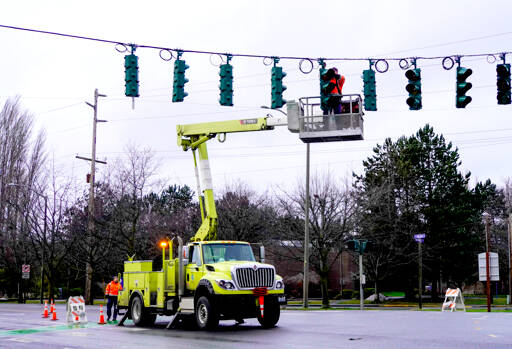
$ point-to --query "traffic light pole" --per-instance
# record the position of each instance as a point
(487, 263)
(361, 289)
(510, 258)
(305, 283)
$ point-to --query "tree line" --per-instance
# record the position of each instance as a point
(408, 186)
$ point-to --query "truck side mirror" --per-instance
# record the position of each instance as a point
(262, 254)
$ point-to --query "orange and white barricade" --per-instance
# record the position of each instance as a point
(453, 299)
(75, 308)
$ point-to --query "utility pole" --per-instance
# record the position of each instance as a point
(487, 262)
(420, 277)
(90, 226)
(305, 283)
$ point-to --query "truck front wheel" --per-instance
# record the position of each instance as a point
(206, 316)
(271, 313)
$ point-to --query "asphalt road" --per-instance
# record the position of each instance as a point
(21, 326)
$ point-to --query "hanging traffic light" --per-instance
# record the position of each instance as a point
(131, 79)
(461, 100)
(324, 82)
(414, 89)
(370, 91)
(226, 83)
(503, 83)
(178, 88)
(277, 86)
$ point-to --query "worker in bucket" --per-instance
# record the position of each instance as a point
(111, 292)
(334, 88)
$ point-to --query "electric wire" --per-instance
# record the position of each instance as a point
(246, 55)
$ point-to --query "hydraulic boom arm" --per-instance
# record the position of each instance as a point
(194, 137)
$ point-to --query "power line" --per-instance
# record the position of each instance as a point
(309, 59)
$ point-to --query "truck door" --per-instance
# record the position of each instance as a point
(195, 269)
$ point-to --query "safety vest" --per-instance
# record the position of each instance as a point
(338, 85)
(113, 289)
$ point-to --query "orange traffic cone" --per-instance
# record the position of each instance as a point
(54, 315)
(52, 306)
(45, 314)
(102, 317)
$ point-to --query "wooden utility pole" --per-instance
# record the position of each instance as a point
(89, 299)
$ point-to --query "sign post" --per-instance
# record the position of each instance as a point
(25, 271)
(419, 239)
(488, 270)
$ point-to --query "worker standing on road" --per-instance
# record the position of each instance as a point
(111, 292)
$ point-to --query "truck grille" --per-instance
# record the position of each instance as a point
(249, 278)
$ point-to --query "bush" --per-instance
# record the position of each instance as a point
(338, 297)
(369, 291)
(346, 293)
(356, 295)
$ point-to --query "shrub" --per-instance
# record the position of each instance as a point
(346, 293)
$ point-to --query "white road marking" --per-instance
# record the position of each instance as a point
(20, 340)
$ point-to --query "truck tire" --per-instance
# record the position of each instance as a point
(206, 316)
(140, 316)
(271, 313)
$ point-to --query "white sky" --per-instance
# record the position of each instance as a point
(56, 75)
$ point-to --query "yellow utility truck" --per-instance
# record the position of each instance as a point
(208, 279)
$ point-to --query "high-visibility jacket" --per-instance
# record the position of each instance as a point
(113, 288)
(337, 85)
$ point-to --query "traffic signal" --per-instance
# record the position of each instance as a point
(358, 246)
(414, 88)
(503, 83)
(461, 100)
(370, 91)
(278, 87)
(178, 88)
(324, 96)
(226, 84)
(131, 78)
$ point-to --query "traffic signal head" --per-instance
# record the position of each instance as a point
(369, 89)
(461, 100)
(226, 84)
(178, 90)
(503, 83)
(324, 82)
(277, 87)
(131, 70)
(353, 245)
(414, 89)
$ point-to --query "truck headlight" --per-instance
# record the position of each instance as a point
(226, 284)
(279, 284)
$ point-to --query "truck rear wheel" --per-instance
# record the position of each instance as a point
(206, 316)
(140, 316)
(271, 313)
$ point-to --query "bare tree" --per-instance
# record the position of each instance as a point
(21, 160)
(331, 219)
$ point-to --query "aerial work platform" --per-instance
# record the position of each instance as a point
(315, 127)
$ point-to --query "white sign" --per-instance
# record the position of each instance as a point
(494, 267)
(25, 271)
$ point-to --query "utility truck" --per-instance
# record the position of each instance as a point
(208, 279)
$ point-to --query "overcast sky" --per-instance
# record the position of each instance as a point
(55, 75)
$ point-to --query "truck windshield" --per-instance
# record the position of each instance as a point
(214, 253)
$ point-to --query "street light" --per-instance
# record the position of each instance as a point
(44, 229)
(487, 217)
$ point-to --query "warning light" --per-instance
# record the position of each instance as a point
(163, 244)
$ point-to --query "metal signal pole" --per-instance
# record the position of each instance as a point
(487, 262)
(305, 283)
(509, 258)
